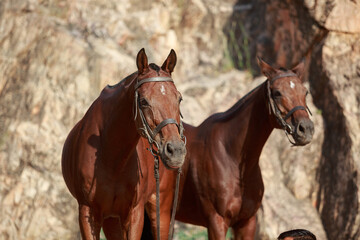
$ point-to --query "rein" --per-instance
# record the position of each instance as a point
(273, 108)
(150, 136)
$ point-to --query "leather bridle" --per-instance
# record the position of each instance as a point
(147, 132)
(273, 108)
(150, 135)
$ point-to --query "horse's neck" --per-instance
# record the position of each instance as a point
(119, 125)
(249, 127)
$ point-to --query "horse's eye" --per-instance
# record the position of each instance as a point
(276, 94)
(144, 102)
(307, 92)
(180, 99)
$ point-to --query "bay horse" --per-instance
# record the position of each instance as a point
(99, 161)
(221, 185)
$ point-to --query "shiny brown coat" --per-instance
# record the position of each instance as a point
(99, 162)
(221, 185)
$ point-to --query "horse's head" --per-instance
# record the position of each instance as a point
(287, 100)
(157, 109)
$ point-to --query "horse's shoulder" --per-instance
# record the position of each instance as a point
(207, 128)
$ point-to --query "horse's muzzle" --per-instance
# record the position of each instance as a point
(173, 154)
(304, 132)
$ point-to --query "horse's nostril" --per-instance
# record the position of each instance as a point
(169, 148)
(301, 128)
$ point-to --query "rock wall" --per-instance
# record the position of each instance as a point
(325, 34)
(57, 55)
(336, 86)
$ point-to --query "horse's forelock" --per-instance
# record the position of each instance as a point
(154, 67)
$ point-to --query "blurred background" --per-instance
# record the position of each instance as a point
(57, 55)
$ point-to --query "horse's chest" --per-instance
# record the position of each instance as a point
(243, 198)
(239, 208)
(251, 199)
(118, 191)
(249, 207)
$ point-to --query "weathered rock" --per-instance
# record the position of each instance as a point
(336, 15)
(318, 31)
(336, 89)
(56, 56)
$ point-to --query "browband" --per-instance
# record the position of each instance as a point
(290, 74)
(153, 79)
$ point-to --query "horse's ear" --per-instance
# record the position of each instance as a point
(170, 62)
(266, 69)
(142, 61)
(299, 70)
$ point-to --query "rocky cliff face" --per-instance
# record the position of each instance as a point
(324, 34)
(336, 85)
(57, 55)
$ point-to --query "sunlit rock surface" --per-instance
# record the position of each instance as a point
(56, 56)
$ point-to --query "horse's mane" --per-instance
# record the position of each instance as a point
(151, 65)
(123, 81)
(224, 116)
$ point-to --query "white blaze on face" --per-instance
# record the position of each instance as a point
(162, 90)
(292, 85)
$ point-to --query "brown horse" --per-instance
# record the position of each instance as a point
(221, 186)
(99, 161)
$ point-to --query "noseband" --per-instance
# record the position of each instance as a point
(274, 108)
(150, 135)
